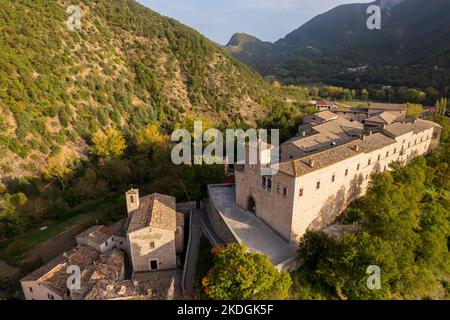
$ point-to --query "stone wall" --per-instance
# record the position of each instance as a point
(141, 251)
(218, 223)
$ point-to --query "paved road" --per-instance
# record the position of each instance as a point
(196, 234)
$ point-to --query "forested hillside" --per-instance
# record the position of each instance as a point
(127, 67)
(411, 49)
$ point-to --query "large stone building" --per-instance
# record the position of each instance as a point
(329, 165)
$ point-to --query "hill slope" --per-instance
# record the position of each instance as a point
(126, 67)
(412, 47)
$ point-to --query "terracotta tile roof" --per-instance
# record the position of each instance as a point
(97, 234)
(326, 115)
(54, 274)
(109, 268)
(328, 157)
(386, 106)
(156, 210)
(383, 118)
(148, 286)
(329, 134)
(399, 129)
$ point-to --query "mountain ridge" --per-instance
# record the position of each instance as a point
(324, 48)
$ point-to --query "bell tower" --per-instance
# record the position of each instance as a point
(132, 198)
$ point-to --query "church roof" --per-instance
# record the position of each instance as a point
(155, 210)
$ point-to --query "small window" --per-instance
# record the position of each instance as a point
(395, 150)
(152, 245)
(106, 243)
(153, 264)
(333, 178)
(301, 192)
(318, 185)
(132, 199)
(31, 289)
(409, 144)
(346, 172)
(285, 191)
(369, 162)
(358, 167)
(387, 154)
(379, 157)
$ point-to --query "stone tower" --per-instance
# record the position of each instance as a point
(132, 198)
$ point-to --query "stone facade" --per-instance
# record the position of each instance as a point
(152, 245)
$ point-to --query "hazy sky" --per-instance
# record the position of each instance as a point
(268, 20)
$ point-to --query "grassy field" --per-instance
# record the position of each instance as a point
(102, 211)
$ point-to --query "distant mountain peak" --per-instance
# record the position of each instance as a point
(240, 38)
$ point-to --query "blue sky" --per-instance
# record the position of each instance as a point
(268, 20)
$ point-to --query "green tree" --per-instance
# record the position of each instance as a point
(239, 275)
(414, 110)
(109, 144)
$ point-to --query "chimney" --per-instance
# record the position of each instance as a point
(132, 198)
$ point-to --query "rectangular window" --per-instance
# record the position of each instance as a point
(153, 264)
(301, 192)
(285, 191)
(358, 167)
(369, 162)
(152, 245)
(346, 172)
(333, 178)
(318, 185)
(395, 150)
(387, 154)
(31, 289)
(379, 157)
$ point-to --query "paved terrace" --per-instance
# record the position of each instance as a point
(249, 229)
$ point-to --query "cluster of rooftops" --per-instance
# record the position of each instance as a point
(326, 137)
(103, 274)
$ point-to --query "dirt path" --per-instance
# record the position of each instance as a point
(7, 271)
(50, 249)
